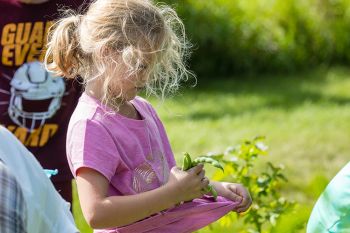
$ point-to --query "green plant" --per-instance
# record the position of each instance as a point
(264, 187)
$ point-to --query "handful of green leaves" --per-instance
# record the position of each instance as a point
(189, 163)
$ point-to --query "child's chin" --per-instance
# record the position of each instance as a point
(130, 97)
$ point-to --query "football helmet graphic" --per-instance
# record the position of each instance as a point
(36, 95)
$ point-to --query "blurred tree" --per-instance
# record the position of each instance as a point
(265, 35)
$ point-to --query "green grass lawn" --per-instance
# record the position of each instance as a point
(305, 117)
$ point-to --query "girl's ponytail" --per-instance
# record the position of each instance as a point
(63, 49)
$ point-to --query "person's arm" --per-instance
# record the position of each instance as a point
(13, 214)
(234, 192)
(101, 211)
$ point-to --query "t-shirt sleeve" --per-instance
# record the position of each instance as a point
(90, 145)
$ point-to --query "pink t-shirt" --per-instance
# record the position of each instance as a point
(135, 156)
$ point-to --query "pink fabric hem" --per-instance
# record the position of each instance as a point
(185, 218)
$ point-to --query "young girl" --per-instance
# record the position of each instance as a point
(116, 145)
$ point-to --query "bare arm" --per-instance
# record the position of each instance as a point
(101, 211)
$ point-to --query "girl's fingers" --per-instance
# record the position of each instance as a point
(197, 169)
(201, 175)
(236, 198)
(242, 209)
(245, 203)
(243, 193)
(244, 206)
(205, 182)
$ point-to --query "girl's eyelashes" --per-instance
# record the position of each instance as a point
(142, 88)
(142, 67)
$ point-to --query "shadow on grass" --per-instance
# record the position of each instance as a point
(269, 92)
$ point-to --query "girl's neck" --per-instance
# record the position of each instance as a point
(124, 108)
(128, 110)
(91, 90)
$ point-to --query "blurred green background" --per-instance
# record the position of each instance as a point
(267, 36)
(277, 68)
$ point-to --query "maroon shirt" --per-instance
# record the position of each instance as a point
(33, 105)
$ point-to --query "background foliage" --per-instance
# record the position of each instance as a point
(265, 35)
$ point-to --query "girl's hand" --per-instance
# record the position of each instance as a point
(236, 193)
(187, 185)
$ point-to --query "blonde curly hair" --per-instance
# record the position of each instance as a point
(139, 31)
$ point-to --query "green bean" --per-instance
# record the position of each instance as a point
(205, 159)
(189, 163)
(211, 189)
(213, 192)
